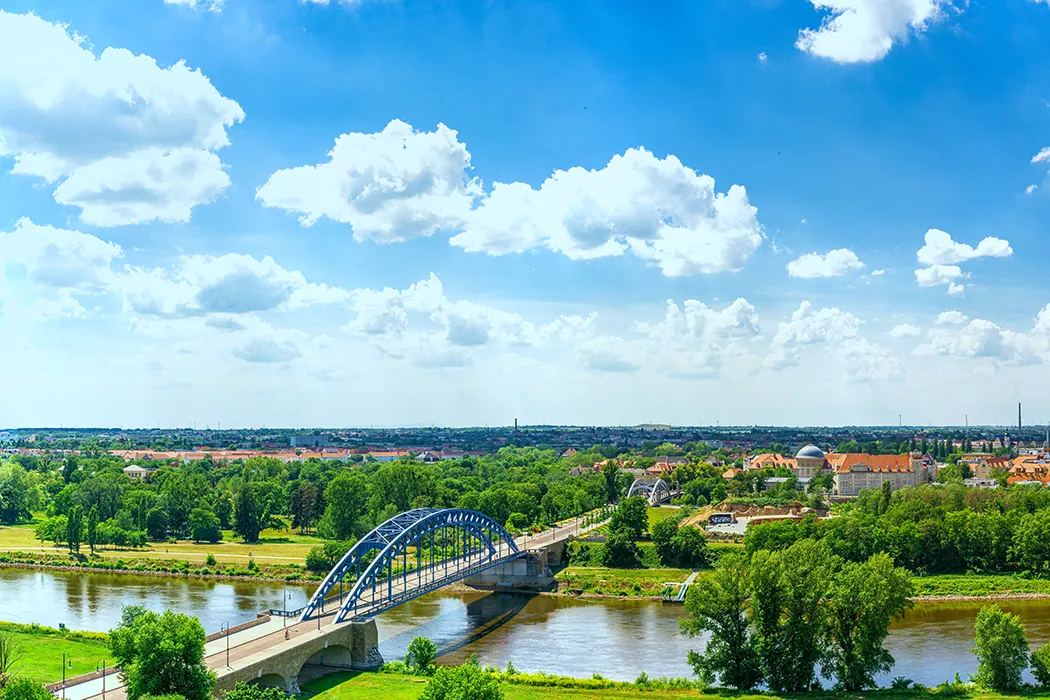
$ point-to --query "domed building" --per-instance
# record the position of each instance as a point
(810, 462)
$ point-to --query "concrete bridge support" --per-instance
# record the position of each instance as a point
(530, 573)
(351, 645)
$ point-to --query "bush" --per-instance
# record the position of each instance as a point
(25, 689)
(466, 682)
(1041, 665)
(621, 551)
(421, 654)
(1001, 649)
(250, 691)
(210, 560)
(323, 558)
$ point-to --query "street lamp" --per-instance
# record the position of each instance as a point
(285, 616)
(66, 663)
(225, 629)
(103, 664)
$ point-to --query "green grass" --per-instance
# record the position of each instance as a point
(41, 652)
(661, 513)
(367, 686)
(978, 585)
(628, 583)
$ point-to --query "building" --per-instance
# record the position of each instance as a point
(854, 471)
(309, 441)
(388, 455)
(136, 473)
(771, 460)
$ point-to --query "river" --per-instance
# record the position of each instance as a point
(616, 638)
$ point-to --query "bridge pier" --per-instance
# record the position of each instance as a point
(530, 573)
(350, 645)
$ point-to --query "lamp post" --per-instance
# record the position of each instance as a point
(102, 664)
(284, 617)
(65, 660)
(225, 629)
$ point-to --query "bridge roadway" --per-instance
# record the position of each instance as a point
(250, 648)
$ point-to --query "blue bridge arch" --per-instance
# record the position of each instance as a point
(449, 544)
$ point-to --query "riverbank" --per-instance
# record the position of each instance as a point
(274, 573)
(41, 651)
(365, 686)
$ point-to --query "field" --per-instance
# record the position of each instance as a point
(41, 652)
(362, 686)
(595, 580)
(979, 585)
(274, 547)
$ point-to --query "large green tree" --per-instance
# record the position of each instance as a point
(1001, 650)
(75, 528)
(249, 513)
(861, 603)
(161, 655)
(718, 604)
(346, 498)
(631, 517)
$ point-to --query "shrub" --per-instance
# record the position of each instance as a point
(1041, 665)
(25, 689)
(466, 682)
(900, 683)
(250, 691)
(621, 551)
(421, 654)
(210, 560)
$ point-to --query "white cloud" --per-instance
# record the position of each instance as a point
(905, 330)
(227, 284)
(207, 5)
(127, 140)
(878, 273)
(391, 186)
(935, 275)
(950, 318)
(808, 327)
(866, 361)
(658, 209)
(1030, 189)
(401, 183)
(64, 305)
(833, 264)
(762, 57)
(940, 249)
(862, 31)
(58, 258)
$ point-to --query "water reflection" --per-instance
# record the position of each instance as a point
(616, 638)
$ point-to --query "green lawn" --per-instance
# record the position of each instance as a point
(598, 580)
(661, 513)
(978, 584)
(367, 686)
(41, 653)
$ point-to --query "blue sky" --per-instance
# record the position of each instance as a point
(749, 211)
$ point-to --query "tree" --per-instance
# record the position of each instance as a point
(788, 591)
(92, 528)
(250, 691)
(249, 515)
(304, 501)
(11, 654)
(611, 474)
(621, 551)
(719, 604)
(75, 528)
(663, 533)
(161, 655)
(157, 524)
(19, 494)
(346, 498)
(1041, 665)
(53, 529)
(631, 517)
(862, 601)
(690, 546)
(466, 682)
(224, 510)
(324, 557)
(421, 654)
(204, 526)
(25, 689)
(1032, 541)
(1001, 649)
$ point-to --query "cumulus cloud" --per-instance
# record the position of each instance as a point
(905, 330)
(658, 209)
(227, 284)
(391, 186)
(940, 249)
(835, 263)
(950, 318)
(808, 327)
(59, 259)
(122, 138)
(401, 184)
(64, 305)
(862, 31)
(1030, 189)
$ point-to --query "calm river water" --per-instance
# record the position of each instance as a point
(617, 639)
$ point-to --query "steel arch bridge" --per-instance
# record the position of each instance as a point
(654, 490)
(450, 544)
